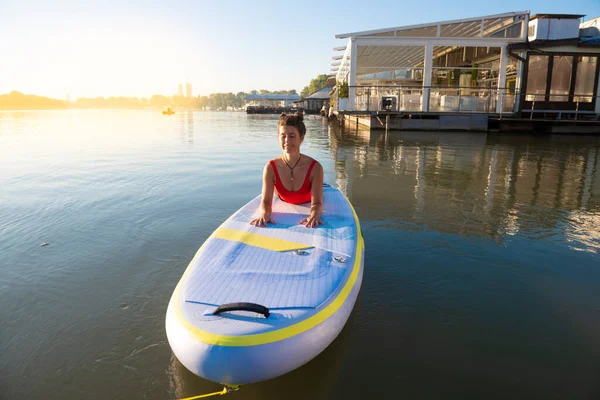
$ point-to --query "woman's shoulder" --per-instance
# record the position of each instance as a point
(314, 161)
(269, 166)
(316, 165)
(309, 160)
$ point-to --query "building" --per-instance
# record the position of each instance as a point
(180, 89)
(272, 100)
(270, 103)
(562, 68)
(314, 102)
(488, 66)
(188, 90)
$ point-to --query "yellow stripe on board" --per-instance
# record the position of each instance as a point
(280, 334)
(264, 242)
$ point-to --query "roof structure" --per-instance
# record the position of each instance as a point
(321, 94)
(590, 28)
(395, 48)
(590, 41)
(556, 16)
(467, 27)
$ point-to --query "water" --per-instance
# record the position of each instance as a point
(481, 267)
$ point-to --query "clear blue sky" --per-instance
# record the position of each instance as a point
(135, 48)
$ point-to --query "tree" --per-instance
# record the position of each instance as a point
(19, 101)
(315, 84)
(159, 101)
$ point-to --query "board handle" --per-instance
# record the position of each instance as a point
(257, 308)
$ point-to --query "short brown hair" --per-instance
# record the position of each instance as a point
(292, 120)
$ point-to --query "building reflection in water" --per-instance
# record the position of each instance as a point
(186, 126)
(473, 183)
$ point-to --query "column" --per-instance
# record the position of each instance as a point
(427, 76)
(502, 77)
(597, 110)
(352, 76)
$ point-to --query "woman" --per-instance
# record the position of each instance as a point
(296, 177)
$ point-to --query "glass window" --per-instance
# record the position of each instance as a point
(561, 78)
(383, 75)
(536, 78)
(584, 78)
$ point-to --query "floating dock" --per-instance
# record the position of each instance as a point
(270, 110)
(430, 121)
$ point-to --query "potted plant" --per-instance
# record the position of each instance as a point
(474, 74)
(343, 92)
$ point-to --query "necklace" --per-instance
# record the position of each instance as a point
(292, 168)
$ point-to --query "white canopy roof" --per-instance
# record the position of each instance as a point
(403, 46)
(468, 27)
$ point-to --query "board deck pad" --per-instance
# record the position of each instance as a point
(282, 266)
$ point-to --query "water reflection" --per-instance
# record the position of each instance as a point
(472, 183)
(186, 126)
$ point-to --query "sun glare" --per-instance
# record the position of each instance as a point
(99, 61)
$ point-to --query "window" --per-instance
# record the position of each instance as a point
(584, 79)
(561, 78)
(536, 78)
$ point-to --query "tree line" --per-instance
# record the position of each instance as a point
(19, 101)
(216, 101)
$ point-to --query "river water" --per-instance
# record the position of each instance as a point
(482, 264)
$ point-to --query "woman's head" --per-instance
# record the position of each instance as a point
(292, 120)
(291, 131)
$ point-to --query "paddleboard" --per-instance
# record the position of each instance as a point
(257, 302)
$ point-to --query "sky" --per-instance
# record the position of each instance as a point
(139, 48)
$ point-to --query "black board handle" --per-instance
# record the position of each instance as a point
(257, 308)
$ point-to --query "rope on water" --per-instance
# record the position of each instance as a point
(226, 389)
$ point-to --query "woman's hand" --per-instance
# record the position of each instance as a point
(267, 198)
(263, 220)
(312, 221)
(316, 199)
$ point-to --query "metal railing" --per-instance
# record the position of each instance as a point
(449, 99)
(577, 99)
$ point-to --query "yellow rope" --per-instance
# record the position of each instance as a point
(222, 392)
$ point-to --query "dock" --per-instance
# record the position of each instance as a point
(270, 110)
(478, 122)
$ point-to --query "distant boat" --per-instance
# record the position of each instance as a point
(168, 111)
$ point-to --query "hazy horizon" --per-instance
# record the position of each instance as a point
(145, 97)
(113, 49)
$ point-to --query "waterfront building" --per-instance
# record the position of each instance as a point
(562, 69)
(491, 66)
(314, 102)
(270, 103)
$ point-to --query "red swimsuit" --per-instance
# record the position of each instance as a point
(303, 195)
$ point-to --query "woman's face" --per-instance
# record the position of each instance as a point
(290, 139)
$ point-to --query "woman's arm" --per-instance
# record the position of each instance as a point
(316, 202)
(268, 189)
